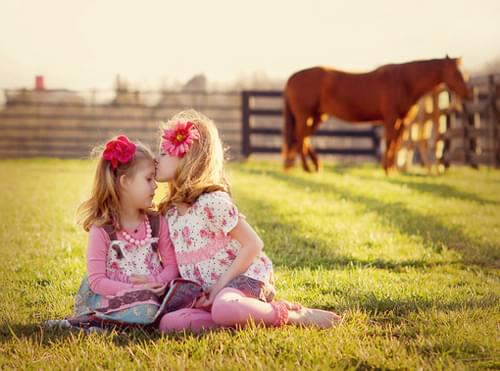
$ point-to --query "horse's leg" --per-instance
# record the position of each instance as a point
(390, 141)
(308, 150)
(393, 137)
(302, 141)
(312, 153)
(388, 133)
(290, 154)
(389, 153)
(400, 125)
(314, 158)
(304, 151)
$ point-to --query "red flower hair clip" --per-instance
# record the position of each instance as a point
(178, 140)
(120, 150)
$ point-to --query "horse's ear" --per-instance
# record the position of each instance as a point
(447, 57)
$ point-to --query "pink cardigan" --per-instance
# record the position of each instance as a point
(97, 251)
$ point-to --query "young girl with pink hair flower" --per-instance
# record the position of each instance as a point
(214, 245)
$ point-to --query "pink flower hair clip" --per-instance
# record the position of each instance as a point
(120, 150)
(178, 140)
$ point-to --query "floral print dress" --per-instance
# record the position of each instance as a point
(203, 247)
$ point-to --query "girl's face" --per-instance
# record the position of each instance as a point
(166, 167)
(140, 188)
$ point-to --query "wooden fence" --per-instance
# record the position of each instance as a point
(62, 124)
(265, 136)
(446, 131)
(67, 124)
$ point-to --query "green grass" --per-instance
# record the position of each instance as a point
(412, 261)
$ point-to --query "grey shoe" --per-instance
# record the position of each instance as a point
(57, 323)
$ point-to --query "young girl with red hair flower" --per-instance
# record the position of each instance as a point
(214, 245)
(129, 251)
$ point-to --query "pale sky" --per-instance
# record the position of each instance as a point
(85, 44)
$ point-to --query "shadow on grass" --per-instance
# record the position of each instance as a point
(38, 334)
(440, 190)
(396, 309)
(291, 249)
(414, 181)
(408, 222)
(380, 309)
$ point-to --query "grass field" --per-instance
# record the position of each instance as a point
(411, 261)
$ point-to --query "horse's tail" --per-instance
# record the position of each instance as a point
(288, 128)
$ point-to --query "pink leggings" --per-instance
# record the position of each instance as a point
(231, 307)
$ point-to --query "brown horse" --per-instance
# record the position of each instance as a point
(383, 96)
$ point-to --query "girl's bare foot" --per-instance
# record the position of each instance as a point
(291, 306)
(314, 317)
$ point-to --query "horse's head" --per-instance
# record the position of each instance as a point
(454, 79)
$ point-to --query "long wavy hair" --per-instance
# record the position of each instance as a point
(103, 206)
(201, 170)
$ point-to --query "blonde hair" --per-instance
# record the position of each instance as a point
(201, 170)
(103, 206)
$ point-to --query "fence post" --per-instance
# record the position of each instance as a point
(376, 143)
(451, 115)
(245, 132)
(494, 119)
(470, 142)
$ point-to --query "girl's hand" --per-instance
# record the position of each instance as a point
(138, 278)
(156, 288)
(201, 301)
(206, 300)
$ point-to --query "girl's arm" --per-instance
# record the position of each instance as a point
(97, 251)
(251, 245)
(167, 254)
